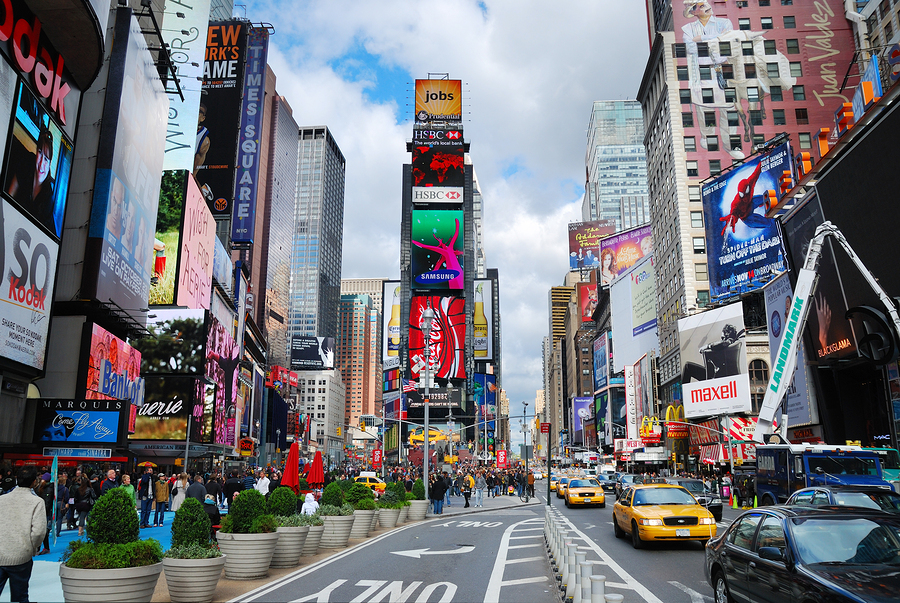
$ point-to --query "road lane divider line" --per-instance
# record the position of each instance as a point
(523, 546)
(495, 583)
(524, 581)
(522, 560)
(526, 537)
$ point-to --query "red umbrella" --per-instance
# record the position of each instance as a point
(316, 473)
(291, 477)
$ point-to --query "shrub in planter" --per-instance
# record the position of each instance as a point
(191, 526)
(365, 504)
(282, 502)
(345, 485)
(418, 489)
(113, 520)
(409, 496)
(334, 510)
(302, 484)
(389, 500)
(246, 507)
(333, 495)
(193, 565)
(193, 551)
(96, 555)
(264, 524)
(357, 493)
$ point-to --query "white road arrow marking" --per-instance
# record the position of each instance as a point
(417, 553)
(589, 526)
(695, 596)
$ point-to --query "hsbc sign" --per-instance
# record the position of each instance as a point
(437, 194)
(448, 137)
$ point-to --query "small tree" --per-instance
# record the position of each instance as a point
(247, 506)
(333, 495)
(418, 489)
(191, 525)
(282, 501)
(113, 519)
(357, 493)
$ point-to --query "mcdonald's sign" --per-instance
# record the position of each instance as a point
(650, 431)
(675, 423)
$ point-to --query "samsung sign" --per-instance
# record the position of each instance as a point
(437, 194)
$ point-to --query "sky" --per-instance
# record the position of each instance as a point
(530, 72)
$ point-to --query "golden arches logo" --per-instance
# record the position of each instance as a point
(676, 427)
(650, 426)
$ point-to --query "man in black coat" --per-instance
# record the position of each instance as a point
(233, 484)
(215, 488)
(197, 490)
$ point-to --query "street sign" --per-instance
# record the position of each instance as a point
(545, 427)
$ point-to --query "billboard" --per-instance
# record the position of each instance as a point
(198, 237)
(582, 412)
(483, 320)
(249, 143)
(437, 194)
(114, 369)
(178, 338)
(437, 246)
(222, 361)
(485, 395)
(390, 327)
(220, 113)
(169, 223)
(311, 353)
(619, 252)
(66, 421)
(436, 137)
(448, 337)
(743, 246)
(587, 300)
(39, 161)
(714, 376)
(442, 166)
(168, 404)
(601, 361)
(28, 268)
(632, 299)
(584, 242)
(438, 397)
(438, 100)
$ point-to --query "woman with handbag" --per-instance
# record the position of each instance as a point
(179, 492)
(84, 501)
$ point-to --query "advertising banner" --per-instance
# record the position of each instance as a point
(448, 337)
(222, 360)
(438, 397)
(620, 251)
(65, 421)
(601, 361)
(312, 353)
(223, 269)
(220, 113)
(715, 379)
(436, 137)
(177, 343)
(39, 159)
(441, 166)
(28, 269)
(390, 327)
(166, 246)
(632, 416)
(438, 100)
(197, 250)
(502, 460)
(376, 458)
(114, 369)
(632, 299)
(483, 320)
(187, 50)
(437, 194)
(485, 394)
(743, 246)
(249, 143)
(437, 246)
(587, 300)
(164, 415)
(584, 242)
(581, 414)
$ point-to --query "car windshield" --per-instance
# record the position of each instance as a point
(692, 487)
(564, 480)
(835, 465)
(886, 501)
(862, 540)
(583, 483)
(663, 496)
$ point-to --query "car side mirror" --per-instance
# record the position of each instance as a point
(819, 470)
(771, 553)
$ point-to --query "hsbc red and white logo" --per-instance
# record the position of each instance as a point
(437, 136)
(437, 194)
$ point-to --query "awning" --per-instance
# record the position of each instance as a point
(710, 454)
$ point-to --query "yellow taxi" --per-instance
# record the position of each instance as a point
(371, 481)
(648, 512)
(585, 491)
(554, 480)
(561, 486)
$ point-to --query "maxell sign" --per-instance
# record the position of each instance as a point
(437, 194)
(721, 396)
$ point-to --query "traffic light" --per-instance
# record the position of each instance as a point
(771, 199)
(339, 431)
(673, 458)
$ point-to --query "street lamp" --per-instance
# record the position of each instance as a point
(451, 425)
(426, 324)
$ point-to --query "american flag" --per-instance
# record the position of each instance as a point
(409, 386)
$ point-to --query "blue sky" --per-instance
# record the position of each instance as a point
(530, 72)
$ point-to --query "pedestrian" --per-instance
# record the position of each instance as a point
(212, 511)
(179, 492)
(250, 481)
(109, 483)
(145, 493)
(127, 485)
(480, 486)
(262, 484)
(161, 494)
(62, 499)
(84, 501)
(437, 490)
(215, 488)
(46, 493)
(24, 520)
(466, 488)
(310, 506)
(232, 485)
(197, 490)
(531, 483)
(448, 486)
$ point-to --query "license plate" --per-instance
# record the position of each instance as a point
(682, 532)
(587, 499)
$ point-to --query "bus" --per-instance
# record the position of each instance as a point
(890, 462)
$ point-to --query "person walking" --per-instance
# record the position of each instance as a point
(232, 485)
(109, 483)
(468, 482)
(145, 493)
(480, 486)
(437, 490)
(215, 488)
(448, 486)
(24, 521)
(179, 492)
(62, 499)
(530, 483)
(197, 490)
(161, 494)
(84, 502)
(127, 485)
(262, 484)
(45, 492)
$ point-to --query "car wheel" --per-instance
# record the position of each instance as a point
(603, 505)
(616, 529)
(767, 500)
(636, 541)
(718, 516)
(720, 589)
(567, 501)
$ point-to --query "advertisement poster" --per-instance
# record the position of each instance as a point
(581, 414)
(220, 113)
(438, 100)
(114, 369)
(164, 415)
(53, 424)
(632, 299)
(177, 342)
(390, 327)
(632, 418)
(28, 266)
(223, 269)
(485, 394)
(198, 237)
(312, 353)
(743, 246)
(620, 251)
(601, 361)
(222, 360)
(715, 376)
(643, 297)
(601, 408)
(587, 300)
(39, 160)
(436, 136)
(439, 166)
(483, 320)
(448, 337)
(166, 245)
(584, 242)
(437, 249)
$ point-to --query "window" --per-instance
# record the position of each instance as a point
(790, 23)
(712, 143)
(734, 142)
(733, 118)
(796, 69)
(778, 116)
(769, 46)
(766, 22)
(707, 95)
(772, 70)
(744, 24)
(730, 95)
(771, 534)
(700, 273)
(709, 118)
(802, 116)
(702, 49)
(747, 48)
(759, 372)
(805, 140)
(682, 74)
(705, 72)
(764, 2)
(687, 120)
(690, 144)
(715, 167)
(679, 50)
(741, 535)
(787, 2)
(793, 46)
(753, 94)
(685, 97)
(888, 30)
(725, 49)
(799, 93)
(758, 140)
(693, 191)
(696, 219)
(749, 70)
(699, 244)
(692, 168)
(727, 72)
(702, 298)
(775, 93)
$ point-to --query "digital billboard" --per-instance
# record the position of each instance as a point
(220, 113)
(601, 361)
(169, 223)
(632, 300)
(442, 166)
(222, 361)
(743, 246)
(178, 338)
(438, 100)
(620, 251)
(28, 269)
(390, 327)
(587, 300)
(437, 245)
(436, 137)
(312, 353)
(485, 395)
(483, 320)
(582, 412)
(114, 369)
(448, 337)
(78, 421)
(438, 397)
(584, 242)
(714, 376)
(195, 260)
(168, 404)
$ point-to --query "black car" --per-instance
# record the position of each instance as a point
(797, 554)
(704, 496)
(871, 497)
(608, 485)
(627, 479)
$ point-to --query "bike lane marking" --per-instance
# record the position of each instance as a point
(496, 582)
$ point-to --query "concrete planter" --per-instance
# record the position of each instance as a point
(192, 580)
(404, 514)
(313, 538)
(247, 555)
(290, 546)
(362, 523)
(132, 584)
(374, 520)
(417, 510)
(388, 517)
(337, 531)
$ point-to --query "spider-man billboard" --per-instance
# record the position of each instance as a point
(743, 246)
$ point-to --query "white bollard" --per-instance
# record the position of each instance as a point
(598, 589)
(571, 569)
(586, 568)
(580, 556)
(564, 564)
(614, 598)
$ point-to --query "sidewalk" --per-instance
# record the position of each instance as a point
(45, 585)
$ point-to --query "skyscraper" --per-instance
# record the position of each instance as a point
(319, 212)
(356, 355)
